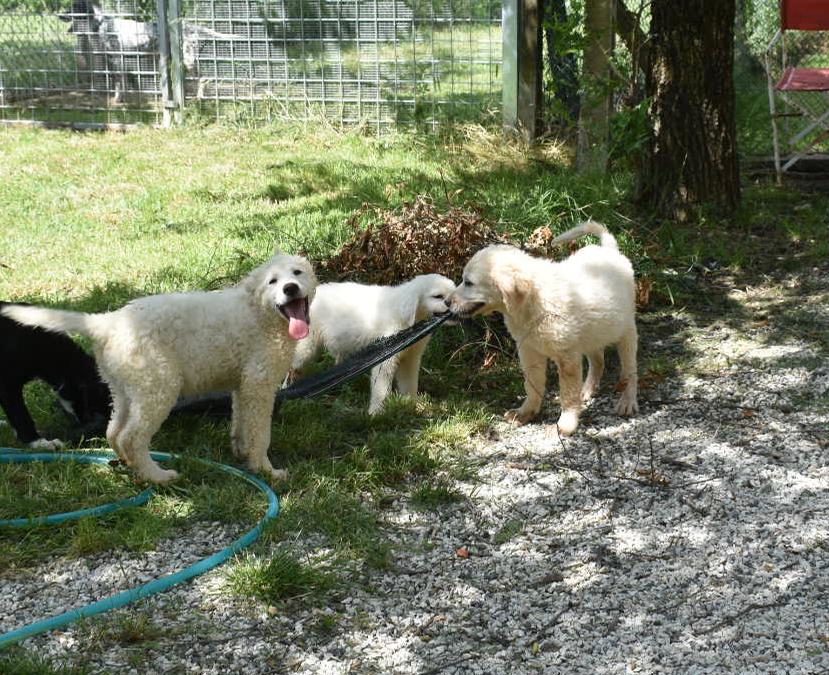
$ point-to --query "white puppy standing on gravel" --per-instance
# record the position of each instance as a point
(240, 339)
(559, 311)
(347, 316)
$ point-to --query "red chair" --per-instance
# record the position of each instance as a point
(797, 65)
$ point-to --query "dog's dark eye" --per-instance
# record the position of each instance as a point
(438, 296)
(297, 272)
(467, 282)
(273, 281)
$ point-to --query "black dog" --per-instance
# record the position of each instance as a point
(27, 354)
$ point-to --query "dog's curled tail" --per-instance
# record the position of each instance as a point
(588, 227)
(55, 320)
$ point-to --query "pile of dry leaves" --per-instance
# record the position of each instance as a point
(415, 239)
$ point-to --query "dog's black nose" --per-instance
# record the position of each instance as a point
(290, 290)
(447, 302)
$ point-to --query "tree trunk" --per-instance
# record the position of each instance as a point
(692, 158)
(594, 115)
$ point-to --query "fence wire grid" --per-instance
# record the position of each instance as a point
(379, 63)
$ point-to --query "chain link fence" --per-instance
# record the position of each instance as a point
(377, 63)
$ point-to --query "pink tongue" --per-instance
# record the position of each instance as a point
(297, 319)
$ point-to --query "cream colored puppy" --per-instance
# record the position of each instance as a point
(347, 316)
(240, 339)
(559, 311)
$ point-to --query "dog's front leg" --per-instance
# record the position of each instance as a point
(569, 384)
(408, 372)
(534, 367)
(382, 379)
(253, 410)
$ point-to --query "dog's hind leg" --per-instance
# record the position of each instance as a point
(120, 408)
(595, 369)
(148, 410)
(382, 380)
(408, 369)
(534, 367)
(253, 411)
(569, 389)
(627, 404)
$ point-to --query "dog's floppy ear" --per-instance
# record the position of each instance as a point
(513, 284)
(409, 307)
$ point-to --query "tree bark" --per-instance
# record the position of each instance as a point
(692, 156)
(594, 114)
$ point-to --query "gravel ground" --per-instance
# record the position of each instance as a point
(693, 538)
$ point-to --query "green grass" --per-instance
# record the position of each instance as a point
(279, 578)
(432, 494)
(16, 661)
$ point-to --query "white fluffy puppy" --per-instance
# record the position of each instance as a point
(559, 311)
(347, 316)
(240, 339)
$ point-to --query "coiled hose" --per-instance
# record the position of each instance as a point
(123, 598)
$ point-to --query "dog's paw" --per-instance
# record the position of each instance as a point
(588, 391)
(627, 407)
(43, 444)
(158, 475)
(567, 423)
(265, 467)
(519, 417)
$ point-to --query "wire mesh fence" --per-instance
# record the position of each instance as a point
(78, 65)
(379, 63)
(776, 52)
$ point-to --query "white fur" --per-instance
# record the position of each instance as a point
(559, 311)
(159, 347)
(348, 316)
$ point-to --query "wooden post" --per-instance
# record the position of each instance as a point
(176, 59)
(521, 36)
(167, 103)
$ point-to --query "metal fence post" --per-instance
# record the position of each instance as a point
(521, 36)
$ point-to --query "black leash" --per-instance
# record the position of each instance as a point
(361, 361)
(358, 363)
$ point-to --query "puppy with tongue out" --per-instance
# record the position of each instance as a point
(151, 351)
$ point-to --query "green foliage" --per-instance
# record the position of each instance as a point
(761, 20)
(630, 129)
